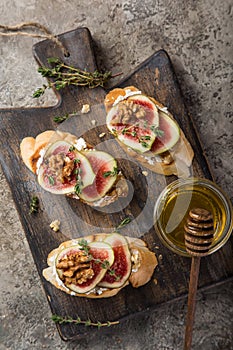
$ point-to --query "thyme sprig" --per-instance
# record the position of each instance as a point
(104, 264)
(64, 75)
(78, 320)
(131, 131)
(61, 118)
(122, 224)
(34, 205)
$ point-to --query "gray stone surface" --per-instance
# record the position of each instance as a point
(198, 37)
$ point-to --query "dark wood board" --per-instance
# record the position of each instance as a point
(156, 78)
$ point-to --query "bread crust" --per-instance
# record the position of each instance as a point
(141, 272)
(182, 153)
(30, 148)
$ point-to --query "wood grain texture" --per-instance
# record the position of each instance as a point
(156, 78)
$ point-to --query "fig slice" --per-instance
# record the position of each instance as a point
(170, 134)
(81, 268)
(105, 168)
(134, 122)
(63, 169)
(120, 270)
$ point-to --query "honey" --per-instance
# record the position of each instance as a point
(174, 204)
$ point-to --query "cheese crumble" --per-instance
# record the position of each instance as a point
(80, 144)
(40, 160)
(55, 225)
(85, 109)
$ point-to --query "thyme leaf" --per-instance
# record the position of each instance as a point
(84, 246)
(79, 182)
(77, 188)
(105, 264)
(156, 131)
(144, 144)
(114, 172)
(145, 137)
(112, 273)
(159, 133)
(51, 180)
(39, 92)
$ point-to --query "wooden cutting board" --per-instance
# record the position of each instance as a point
(154, 77)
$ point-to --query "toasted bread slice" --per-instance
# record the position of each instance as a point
(176, 161)
(31, 147)
(143, 264)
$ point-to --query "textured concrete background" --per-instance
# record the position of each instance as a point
(198, 37)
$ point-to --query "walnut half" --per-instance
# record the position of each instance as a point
(128, 111)
(75, 268)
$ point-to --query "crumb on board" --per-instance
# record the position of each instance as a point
(155, 281)
(55, 225)
(102, 134)
(127, 212)
(93, 122)
(85, 108)
(145, 173)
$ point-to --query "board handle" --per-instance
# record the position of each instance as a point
(79, 44)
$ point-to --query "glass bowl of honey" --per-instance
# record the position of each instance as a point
(174, 204)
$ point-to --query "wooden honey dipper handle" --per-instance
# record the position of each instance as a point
(199, 230)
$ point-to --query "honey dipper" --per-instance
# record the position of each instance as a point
(199, 232)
